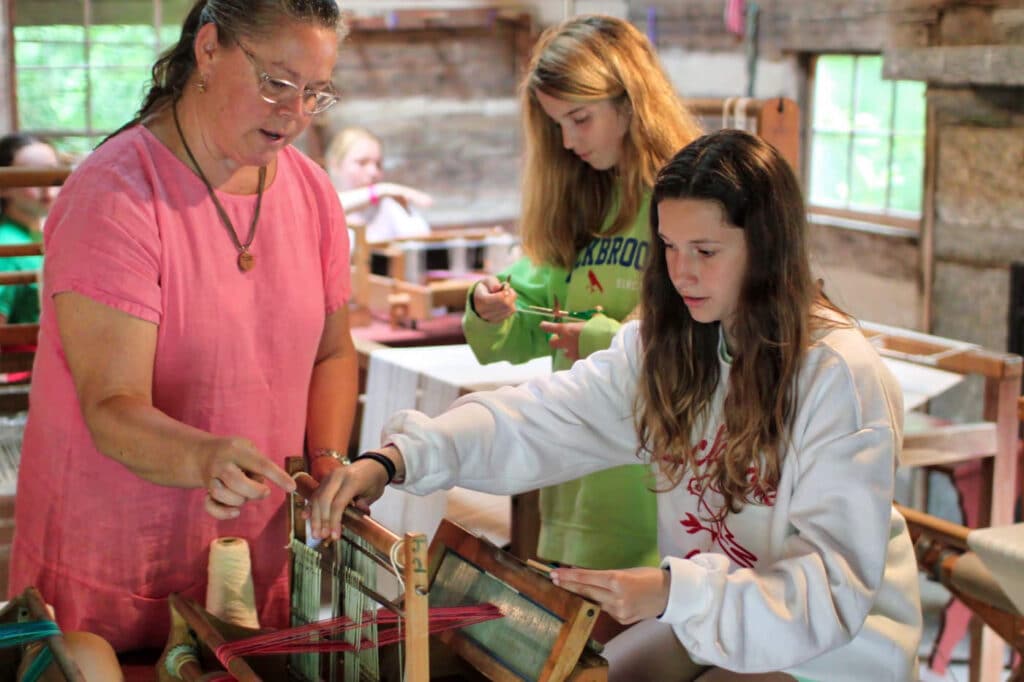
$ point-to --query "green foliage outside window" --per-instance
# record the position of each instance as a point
(76, 84)
(867, 138)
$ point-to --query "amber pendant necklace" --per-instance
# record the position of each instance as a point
(246, 261)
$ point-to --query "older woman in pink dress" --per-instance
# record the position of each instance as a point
(194, 330)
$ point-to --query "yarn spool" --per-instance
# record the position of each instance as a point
(229, 589)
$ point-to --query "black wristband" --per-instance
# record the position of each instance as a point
(383, 460)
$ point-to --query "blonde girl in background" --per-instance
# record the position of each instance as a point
(387, 209)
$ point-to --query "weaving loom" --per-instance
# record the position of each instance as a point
(992, 591)
(336, 576)
(410, 291)
(543, 634)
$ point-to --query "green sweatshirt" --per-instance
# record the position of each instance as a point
(19, 302)
(607, 519)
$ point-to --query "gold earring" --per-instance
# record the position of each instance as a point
(201, 85)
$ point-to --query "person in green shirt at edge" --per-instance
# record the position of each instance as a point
(22, 210)
(600, 119)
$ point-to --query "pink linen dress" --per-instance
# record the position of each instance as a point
(134, 229)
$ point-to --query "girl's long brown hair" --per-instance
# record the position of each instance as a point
(778, 312)
(565, 201)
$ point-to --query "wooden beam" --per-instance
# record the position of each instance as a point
(23, 176)
(1001, 65)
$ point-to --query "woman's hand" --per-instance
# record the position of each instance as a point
(627, 595)
(234, 472)
(564, 336)
(359, 483)
(494, 301)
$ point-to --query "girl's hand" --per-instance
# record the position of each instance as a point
(406, 195)
(359, 483)
(564, 335)
(627, 595)
(235, 473)
(494, 301)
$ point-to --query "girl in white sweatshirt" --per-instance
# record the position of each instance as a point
(773, 427)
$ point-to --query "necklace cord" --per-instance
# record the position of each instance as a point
(242, 248)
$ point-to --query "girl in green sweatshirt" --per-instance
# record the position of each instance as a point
(600, 119)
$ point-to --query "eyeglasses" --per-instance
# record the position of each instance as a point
(279, 91)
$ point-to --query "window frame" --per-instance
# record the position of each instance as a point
(890, 221)
(91, 131)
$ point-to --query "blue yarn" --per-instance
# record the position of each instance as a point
(12, 634)
(41, 663)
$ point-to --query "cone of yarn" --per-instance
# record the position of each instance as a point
(229, 591)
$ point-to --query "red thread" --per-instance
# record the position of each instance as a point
(315, 637)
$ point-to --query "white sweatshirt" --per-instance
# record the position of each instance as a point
(820, 582)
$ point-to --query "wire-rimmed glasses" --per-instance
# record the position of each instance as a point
(280, 91)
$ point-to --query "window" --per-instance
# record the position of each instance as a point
(82, 67)
(867, 142)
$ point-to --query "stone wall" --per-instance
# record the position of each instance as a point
(973, 62)
(443, 102)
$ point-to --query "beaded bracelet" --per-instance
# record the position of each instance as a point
(333, 454)
(383, 460)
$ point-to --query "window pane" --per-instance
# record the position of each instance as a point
(829, 154)
(56, 33)
(78, 145)
(123, 33)
(51, 99)
(114, 55)
(169, 36)
(116, 96)
(881, 170)
(104, 54)
(907, 173)
(61, 54)
(874, 96)
(833, 92)
(910, 107)
(870, 172)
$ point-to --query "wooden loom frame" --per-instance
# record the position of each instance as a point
(940, 546)
(192, 626)
(992, 441)
(413, 556)
(14, 397)
(569, 658)
(399, 299)
(776, 120)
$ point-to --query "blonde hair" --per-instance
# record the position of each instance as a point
(342, 143)
(565, 201)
